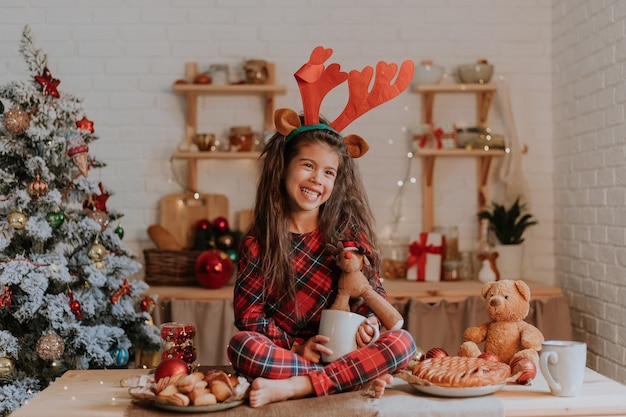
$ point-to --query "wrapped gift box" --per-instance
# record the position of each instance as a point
(426, 257)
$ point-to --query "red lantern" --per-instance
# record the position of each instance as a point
(214, 268)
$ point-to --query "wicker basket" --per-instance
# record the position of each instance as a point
(170, 267)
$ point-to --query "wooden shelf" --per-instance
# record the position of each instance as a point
(215, 155)
(484, 96)
(192, 91)
(225, 90)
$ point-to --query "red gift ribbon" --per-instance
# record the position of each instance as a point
(418, 252)
(438, 134)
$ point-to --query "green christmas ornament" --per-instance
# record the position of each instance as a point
(55, 219)
(119, 230)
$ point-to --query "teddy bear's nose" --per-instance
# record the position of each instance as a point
(495, 302)
(348, 255)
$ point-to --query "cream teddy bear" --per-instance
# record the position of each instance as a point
(507, 335)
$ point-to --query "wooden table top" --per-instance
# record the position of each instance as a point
(398, 290)
(98, 393)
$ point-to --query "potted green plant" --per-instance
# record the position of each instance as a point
(508, 225)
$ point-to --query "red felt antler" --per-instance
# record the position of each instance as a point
(315, 82)
(361, 101)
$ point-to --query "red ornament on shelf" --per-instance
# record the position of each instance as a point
(220, 224)
(202, 224)
(214, 268)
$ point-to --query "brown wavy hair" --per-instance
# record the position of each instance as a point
(346, 213)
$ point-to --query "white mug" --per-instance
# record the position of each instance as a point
(341, 328)
(562, 363)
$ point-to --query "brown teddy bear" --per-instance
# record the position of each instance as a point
(507, 335)
(354, 284)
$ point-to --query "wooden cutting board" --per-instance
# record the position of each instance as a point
(180, 212)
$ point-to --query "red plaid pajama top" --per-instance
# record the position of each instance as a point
(269, 326)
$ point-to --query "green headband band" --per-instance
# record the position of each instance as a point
(317, 126)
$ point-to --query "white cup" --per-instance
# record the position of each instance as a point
(562, 363)
(341, 328)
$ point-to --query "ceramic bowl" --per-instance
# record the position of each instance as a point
(478, 73)
(427, 73)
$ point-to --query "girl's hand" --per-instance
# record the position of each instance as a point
(365, 333)
(313, 348)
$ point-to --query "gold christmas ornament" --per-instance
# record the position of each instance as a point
(50, 347)
(16, 121)
(17, 220)
(6, 366)
(37, 187)
(97, 252)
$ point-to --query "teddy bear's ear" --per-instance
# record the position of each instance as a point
(486, 288)
(523, 289)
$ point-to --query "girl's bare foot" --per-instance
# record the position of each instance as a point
(377, 386)
(265, 391)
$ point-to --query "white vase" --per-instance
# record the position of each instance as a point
(509, 261)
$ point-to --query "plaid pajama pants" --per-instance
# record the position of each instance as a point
(254, 355)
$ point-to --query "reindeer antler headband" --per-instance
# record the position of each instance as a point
(316, 81)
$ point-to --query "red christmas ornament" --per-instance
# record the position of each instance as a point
(436, 353)
(214, 268)
(202, 224)
(489, 356)
(37, 188)
(525, 369)
(220, 224)
(6, 298)
(85, 124)
(75, 306)
(123, 290)
(170, 367)
(148, 305)
(49, 84)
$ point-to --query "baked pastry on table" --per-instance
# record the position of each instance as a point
(458, 372)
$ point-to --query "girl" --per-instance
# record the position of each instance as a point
(309, 194)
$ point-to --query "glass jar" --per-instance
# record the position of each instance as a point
(451, 270)
(178, 341)
(219, 72)
(241, 138)
(395, 252)
(466, 266)
(451, 234)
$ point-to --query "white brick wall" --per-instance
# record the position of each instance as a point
(590, 181)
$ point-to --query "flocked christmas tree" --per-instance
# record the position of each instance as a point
(66, 297)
